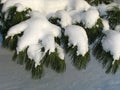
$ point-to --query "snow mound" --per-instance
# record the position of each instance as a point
(90, 17)
(65, 18)
(35, 29)
(77, 37)
(111, 43)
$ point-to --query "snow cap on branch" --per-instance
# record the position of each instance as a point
(77, 37)
(35, 29)
(111, 43)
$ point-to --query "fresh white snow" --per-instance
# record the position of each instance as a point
(106, 25)
(111, 43)
(35, 29)
(77, 37)
(65, 18)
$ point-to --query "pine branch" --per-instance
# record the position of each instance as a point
(105, 58)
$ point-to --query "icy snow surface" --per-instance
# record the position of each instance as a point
(111, 42)
(77, 37)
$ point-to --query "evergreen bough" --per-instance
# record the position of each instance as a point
(52, 60)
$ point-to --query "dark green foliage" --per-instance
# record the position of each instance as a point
(37, 72)
(79, 61)
(95, 31)
(53, 61)
(113, 17)
(11, 42)
(96, 2)
(12, 19)
(55, 21)
(105, 58)
(22, 58)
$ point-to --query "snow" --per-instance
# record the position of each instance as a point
(48, 43)
(60, 52)
(102, 9)
(17, 29)
(77, 37)
(46, 6)
(117, 28)
(37, 5)
(3, 1)
(90, 17)
(110, 42)
(15, 77)
(37, 28)
(79, 5)
(65, 18)
(34, 53)
(106, 25)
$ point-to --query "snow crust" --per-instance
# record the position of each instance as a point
(111, 43)
(77, 37)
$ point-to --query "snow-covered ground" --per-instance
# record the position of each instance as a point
(14, 77)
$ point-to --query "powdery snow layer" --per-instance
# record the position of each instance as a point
(111, 42)
(77, 37)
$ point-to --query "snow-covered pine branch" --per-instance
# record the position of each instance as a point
(42, 32)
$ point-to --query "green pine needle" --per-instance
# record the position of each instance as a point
(52, 60)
